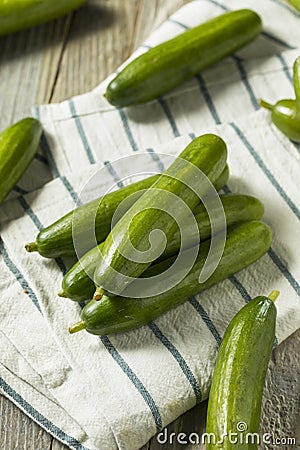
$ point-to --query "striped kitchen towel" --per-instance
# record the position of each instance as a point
(114, 392)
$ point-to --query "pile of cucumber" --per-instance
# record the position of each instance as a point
(110, 272)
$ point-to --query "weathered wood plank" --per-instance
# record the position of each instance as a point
(281, 401)
(24, 56)
(19, 432)
(102, 36)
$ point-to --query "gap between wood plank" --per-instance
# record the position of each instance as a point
(69, 21)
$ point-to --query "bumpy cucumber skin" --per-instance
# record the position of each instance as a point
(16, 15)
(164, 67)
(244, 245)
(239, 375)
(56, 240)
(78, 283)
(207, 153)
(18, 145)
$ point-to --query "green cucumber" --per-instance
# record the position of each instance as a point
(18, 145)
(245, 244)
(128, 249)
(16, 15)
(234, 404)
(78, 283)
(56, 240)
(296, 4)
(167, 65)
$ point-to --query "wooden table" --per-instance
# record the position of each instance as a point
(70, 56)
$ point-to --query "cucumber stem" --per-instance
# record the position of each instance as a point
(31, 247)
(98, 294)
(78, 326)
(62, 294)
(273, 296)
(265, 104)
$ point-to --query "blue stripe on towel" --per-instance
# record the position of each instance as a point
(163, 103)
(220, 5)
(285, 67)
(246, 82)
(266, 171)
(18, 275)
(113, 173)
(206, 319)
(179, 358)
(41, 158)
(208, 99)
(20, 190)
(46, 148)
(30, 213)
(71, 190)
(181, 24)
(127, 129)
(39, 226)
(277, 40)
(284, 270)
(135, 381)
(81, 132)
(40, 418)
(242, 290)
(156, 158)
(277, 261)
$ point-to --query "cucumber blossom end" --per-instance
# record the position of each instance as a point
(78, 326)
(62, 294)
(31, 247)
(274, 295)
(98, 294)
(265, 104)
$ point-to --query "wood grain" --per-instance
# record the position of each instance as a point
(70, 56)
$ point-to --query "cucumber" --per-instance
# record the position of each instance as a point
(245, 244)
(16, 15)
(296, 4)
(56, 240)
(167, 65)
(18, 145)
(234, 404)
(129, 248)
(78, 284)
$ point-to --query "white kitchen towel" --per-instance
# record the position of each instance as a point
(117, 391)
